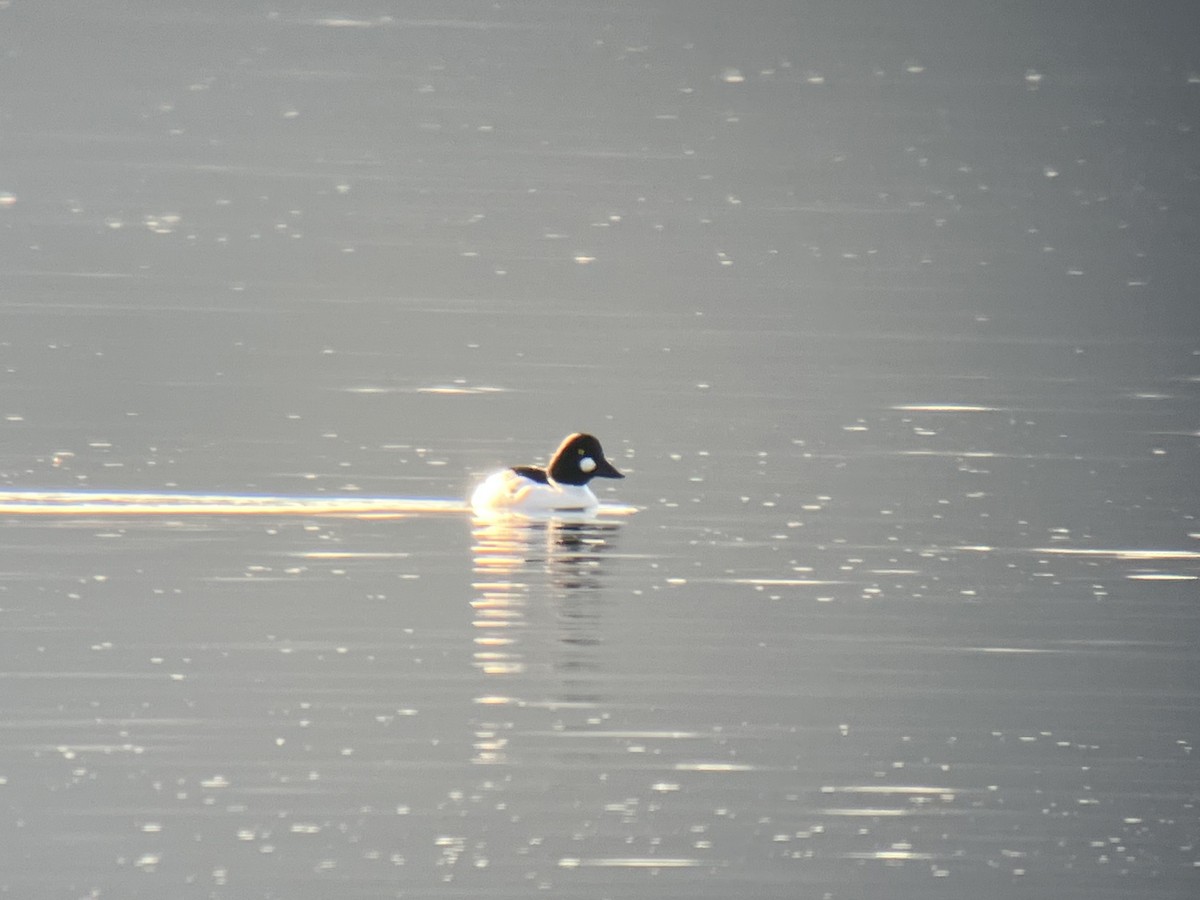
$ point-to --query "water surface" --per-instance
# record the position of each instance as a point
(889, 317)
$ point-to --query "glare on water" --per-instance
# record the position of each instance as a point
(887, 316)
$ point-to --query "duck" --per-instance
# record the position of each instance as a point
(561, 487)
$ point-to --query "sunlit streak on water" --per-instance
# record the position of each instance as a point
(348, 554)
(714, 767)
(631, 862)
(1110, 554)
(1121, 553)
(943, 407)
(899, 789)
(112, 503)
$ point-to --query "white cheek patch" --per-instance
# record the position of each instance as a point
(587, 464)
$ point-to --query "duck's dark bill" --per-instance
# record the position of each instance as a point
(605, 469)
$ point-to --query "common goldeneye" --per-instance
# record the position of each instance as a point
(560, 487)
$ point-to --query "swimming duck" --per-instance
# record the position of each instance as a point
(560, 487)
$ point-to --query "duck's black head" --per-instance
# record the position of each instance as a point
(579, 460)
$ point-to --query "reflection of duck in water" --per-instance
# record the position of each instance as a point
(540, 599)
(519, 560)
(512, 549)
(560, 487)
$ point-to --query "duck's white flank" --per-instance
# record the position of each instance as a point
(509, 491)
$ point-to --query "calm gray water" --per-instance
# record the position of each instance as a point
(889, 315)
